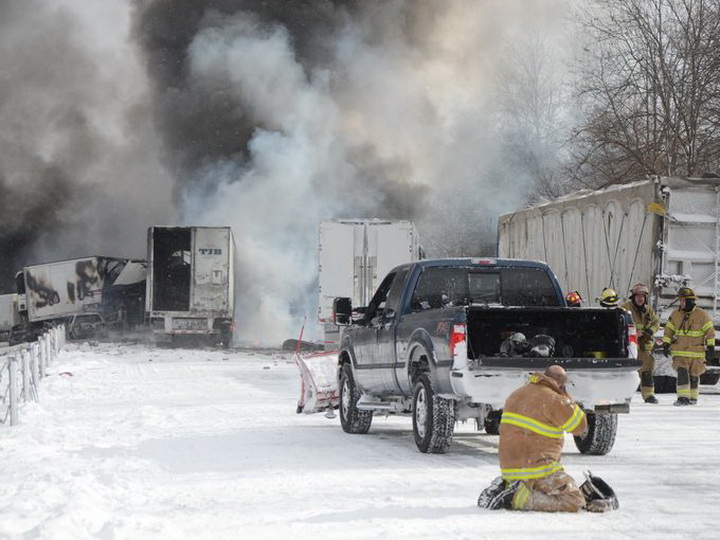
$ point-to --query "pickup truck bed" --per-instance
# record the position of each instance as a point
(590, 343)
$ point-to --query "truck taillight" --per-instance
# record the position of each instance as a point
(632, 340)
(632, 334)
(457, 336)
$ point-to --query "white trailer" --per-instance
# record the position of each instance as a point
(354, 255)
(190, 283)
(664, 232)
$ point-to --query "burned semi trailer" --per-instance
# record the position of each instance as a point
(190, 284)
(49, 293)
(54, 290)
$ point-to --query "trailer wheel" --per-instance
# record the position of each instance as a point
(352, 419)
(433, 418)
(599, 438)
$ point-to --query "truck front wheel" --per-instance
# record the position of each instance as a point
(433, 418)
(599, 438)
(352, 419)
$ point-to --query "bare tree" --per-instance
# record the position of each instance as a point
(529, 102)
(650, 86)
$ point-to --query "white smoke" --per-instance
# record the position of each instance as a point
(413, 104)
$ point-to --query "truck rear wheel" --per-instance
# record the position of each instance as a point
(492, 422)
(352, 419)
(599, 438)
(433, 418)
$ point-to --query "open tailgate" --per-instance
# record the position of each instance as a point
(596, 383)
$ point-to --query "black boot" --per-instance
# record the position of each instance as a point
(651, 399)
(694, 384)
(682, 401)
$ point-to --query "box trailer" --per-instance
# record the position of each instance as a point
(50, 291)
(9, 315)
(190, 283)
(353, 256)
(664, 232)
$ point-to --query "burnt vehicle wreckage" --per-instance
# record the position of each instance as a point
(184, 291)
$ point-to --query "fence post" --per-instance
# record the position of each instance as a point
(41, 358)
(24, 364)
(45, 341)
(13, 387)
(34, 364)
(54, 342)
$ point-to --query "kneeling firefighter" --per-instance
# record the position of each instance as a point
(646, 323)
(535, 419)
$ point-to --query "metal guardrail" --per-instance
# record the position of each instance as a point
(21, 369)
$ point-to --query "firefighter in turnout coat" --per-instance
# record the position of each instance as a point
(532, 431)
(646, 323)
(690, 339)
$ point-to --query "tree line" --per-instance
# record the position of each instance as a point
(642, 97)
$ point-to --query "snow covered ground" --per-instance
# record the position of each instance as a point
(135, 442)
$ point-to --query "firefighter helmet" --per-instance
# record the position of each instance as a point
(599, 496)
(573, 299)
(639, 288)
(542, 346)
(687, 293)
(609, 298)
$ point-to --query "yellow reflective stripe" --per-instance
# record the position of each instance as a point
(574, 420)
(531, 424)
(689, 354)
(671, 326)
(683, 391)
(666, 339)
(521, 497)
(691, 333)
(706, 326)
(709, 342)
(528, 473)
(533, 378)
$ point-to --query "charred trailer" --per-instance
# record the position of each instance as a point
(54, 290)
(190, 285)
(50, 293)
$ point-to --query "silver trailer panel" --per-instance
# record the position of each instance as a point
(662, 232)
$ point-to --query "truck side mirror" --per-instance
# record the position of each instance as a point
(342, 311)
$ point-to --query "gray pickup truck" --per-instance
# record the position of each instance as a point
(450, 339)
